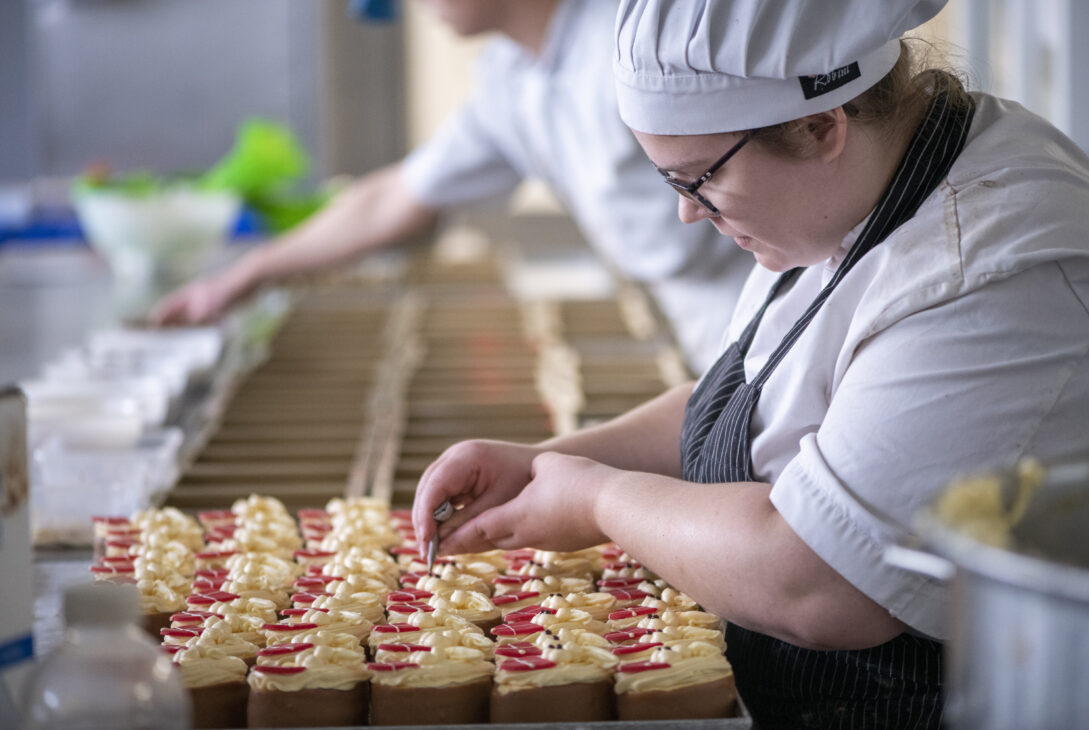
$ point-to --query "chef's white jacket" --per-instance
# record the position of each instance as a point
(957, 345)
(555, 118)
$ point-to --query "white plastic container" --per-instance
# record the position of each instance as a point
(70, 483)
(58, 400)
(83, 363)
(196, 349)
(166, 236)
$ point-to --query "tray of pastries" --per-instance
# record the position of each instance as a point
(329, 618)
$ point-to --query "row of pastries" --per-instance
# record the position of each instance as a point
(331, 618)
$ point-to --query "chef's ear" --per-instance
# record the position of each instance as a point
(827, 133)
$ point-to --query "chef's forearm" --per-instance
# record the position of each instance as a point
(377, 210)
(646, 438)
(728, 547)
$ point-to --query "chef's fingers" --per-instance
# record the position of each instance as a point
(455, 471)
(475, 476)
(167, 311)
(492, 529)
(184, 306)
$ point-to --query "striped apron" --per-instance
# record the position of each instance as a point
(897, 684)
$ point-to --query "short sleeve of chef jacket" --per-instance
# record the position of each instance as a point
(464, 162)
(958, 345)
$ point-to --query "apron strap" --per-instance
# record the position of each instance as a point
(747, 335)
(929, 156)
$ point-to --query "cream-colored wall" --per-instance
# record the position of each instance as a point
(439, 66)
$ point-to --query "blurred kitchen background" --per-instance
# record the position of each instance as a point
(162, 85)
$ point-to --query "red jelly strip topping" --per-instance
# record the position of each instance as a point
(301, 611)
(411, 578)
(274, 669)
(109, 520)
(209, 583)
(615, 637)
(207, 599)
(612, 552)
(635, 648)
(313, 514)
(404, 648)
(389, 666)
(526, 664)
(514, 597)
(314, 553)
(215, 554)
(118, 568)
(395, 628)
(633, 565)
(517, 649)
(112, 559)
(193, 615)
(181, 632)
(511, 580)
(308, 596)
(122, 543)
(103, 519)
(641, 666)
(213, 515)
(289, 627)
(619, 582)
(404, 550)
(519, 566)
(632, 612)
(414, 607)
(171, 648)
(527, 613)
(628, 595)
(407, 595)
(281, 649)
(518, 629)
(315, 581)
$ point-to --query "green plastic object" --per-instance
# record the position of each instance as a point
(261, 168)
(265, 158)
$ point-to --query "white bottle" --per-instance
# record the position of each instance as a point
(108, 673)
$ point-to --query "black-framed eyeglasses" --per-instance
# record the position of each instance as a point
(688, 190)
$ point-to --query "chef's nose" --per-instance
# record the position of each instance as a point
(689, 211)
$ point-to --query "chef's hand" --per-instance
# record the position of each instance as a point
(552, 510)
(200, 301)
(474, 476)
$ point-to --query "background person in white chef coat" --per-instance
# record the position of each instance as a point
(544, 107)
(919, 311)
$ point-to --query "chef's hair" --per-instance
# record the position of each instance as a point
(897, 100)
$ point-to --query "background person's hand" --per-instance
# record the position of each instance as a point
(474, 476)
(200, 301)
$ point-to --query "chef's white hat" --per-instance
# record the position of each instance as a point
(705, 66)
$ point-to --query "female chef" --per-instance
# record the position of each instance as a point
(919, 312)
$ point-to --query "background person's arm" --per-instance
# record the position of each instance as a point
(377, 210)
